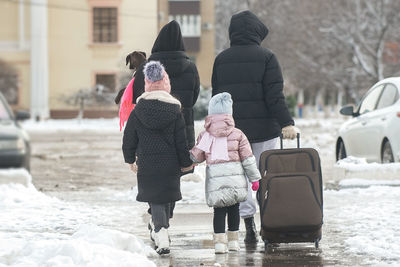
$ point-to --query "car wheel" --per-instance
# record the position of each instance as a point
(387, 154)
(341, 154)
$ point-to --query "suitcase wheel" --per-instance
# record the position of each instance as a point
(316, 244)
(266, 243)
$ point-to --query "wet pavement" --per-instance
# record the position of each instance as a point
(192, 245)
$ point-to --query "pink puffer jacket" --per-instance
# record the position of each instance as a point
(226, 182)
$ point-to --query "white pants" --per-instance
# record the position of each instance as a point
(248, 208)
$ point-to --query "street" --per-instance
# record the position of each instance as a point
(85, 182)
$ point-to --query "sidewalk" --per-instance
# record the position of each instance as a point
(192, 245)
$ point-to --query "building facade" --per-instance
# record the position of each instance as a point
(58, 48)
(196, 18)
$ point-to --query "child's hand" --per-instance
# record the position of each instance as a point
(255, 186)
(133, 167)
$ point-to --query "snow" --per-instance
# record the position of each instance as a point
(39, 230)
(369, 225)
(72, 125)
(356, 182)
(17, 176)
(368, 228)
(332, 123)
(192, 188)
(89, 246)
(360, 164)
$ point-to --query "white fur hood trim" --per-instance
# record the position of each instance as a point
(161, 96)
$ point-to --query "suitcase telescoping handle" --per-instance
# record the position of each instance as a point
(298, 140)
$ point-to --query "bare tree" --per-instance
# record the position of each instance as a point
(98, 95)
(364, 27)
(224, 11)
(332, 48)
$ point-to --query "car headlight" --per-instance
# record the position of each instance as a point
(18, 144)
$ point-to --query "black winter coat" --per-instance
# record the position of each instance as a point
(185, 83)
(155, 134)
(251, 74)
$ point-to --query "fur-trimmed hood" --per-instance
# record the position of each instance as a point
(157, 109)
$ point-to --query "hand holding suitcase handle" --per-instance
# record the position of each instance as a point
(297, 137)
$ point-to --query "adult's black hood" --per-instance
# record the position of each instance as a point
(245, 29)
(169, 39)
(175, 62)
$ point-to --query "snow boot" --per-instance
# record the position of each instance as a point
(233, 241)
(162, 241)
(220, 243)
(150, 226)
(251, 231)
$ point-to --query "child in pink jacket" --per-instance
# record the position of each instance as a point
(230, 163)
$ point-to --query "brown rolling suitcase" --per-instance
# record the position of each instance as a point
(290, 195)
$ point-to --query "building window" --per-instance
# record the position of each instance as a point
(107, 80)
(190, 24)
(105, 24)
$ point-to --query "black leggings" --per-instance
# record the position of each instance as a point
(233, 218)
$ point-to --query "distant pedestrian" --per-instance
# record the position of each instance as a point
(154, 139)
(251, 74)
(229, 159)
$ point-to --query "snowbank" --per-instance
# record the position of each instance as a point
(192, 193)
(73, 125)
(129, 195)
(331, 123)
(354, 164)
(89, 246)
(192, 188)
(38, 230)
(356, 182)
(15, 176)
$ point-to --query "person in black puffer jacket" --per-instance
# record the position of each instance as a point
(251, 74)
(169, 49)
(154, 139)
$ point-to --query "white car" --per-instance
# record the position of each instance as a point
(374, 131)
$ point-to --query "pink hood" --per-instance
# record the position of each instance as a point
(222, 126)
(219, 125)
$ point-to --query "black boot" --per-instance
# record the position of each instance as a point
(251, 231)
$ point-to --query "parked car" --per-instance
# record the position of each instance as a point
(374, 131)
(14, 141)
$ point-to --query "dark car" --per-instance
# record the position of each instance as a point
(14, 141)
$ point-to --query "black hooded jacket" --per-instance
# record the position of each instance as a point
(252, 75)
(155, 134)
(185, 83)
